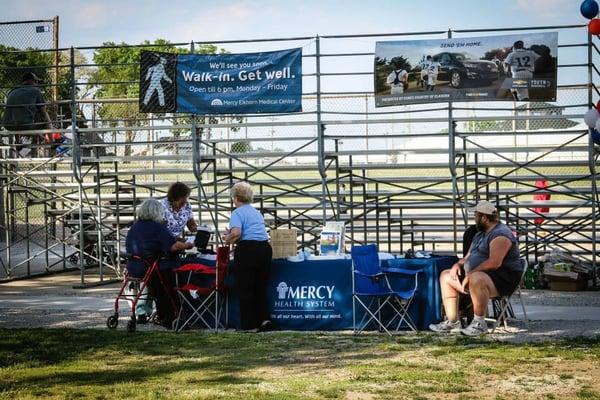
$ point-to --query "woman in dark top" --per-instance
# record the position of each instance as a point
(150, 239)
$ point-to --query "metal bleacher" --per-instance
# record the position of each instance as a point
(402, 177)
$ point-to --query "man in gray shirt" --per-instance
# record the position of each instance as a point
(492, 268)
(25, 111)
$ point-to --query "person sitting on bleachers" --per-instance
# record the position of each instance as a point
(492, 268)
(25, 107)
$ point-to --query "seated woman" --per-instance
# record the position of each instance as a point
(178, 211)
(177, 214)
(150, 239)
(251, 258)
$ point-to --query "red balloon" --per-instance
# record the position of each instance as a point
(56, 136)
(594, 27)
(598, 106)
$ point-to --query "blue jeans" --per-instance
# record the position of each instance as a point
(145, 304)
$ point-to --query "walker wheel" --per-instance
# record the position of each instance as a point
(112, 321)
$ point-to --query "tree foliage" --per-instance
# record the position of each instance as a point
(243, 146)
(487, 126)
(117, 77)
(15, 62)
(114, 75)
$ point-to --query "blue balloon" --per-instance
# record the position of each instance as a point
(595, 136)
(589, 9)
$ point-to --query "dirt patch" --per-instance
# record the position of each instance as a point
(358, 396)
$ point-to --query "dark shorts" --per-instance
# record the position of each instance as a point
(505, 280)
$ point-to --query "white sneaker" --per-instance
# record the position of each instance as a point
(476, 328)
(446, 327)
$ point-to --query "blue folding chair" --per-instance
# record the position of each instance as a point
(405, 285)
(384, 305)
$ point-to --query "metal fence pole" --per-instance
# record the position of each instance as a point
(452, 165)
(76, 163)
(592, 159)
(320, 132)
(56, 58)
(196, 157)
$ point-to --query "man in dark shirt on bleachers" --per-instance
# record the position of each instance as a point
(25, 107)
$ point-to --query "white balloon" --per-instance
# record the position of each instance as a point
(591, 117)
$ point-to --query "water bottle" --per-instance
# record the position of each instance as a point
(307, 253)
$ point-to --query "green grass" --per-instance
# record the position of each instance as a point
(104, 364)
(588, 394)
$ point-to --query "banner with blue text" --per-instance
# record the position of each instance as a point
(266, 82)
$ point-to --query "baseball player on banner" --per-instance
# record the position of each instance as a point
(521, 62)
(433, 69)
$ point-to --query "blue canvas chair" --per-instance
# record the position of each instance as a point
(374, 298)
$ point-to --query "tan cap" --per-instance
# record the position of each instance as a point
(485, 207)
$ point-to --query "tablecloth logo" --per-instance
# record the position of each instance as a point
(304, 292)
(282, 289)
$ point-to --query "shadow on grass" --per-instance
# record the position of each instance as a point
(46, 358)
(137, 372)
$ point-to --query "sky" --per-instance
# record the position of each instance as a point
(90, 23)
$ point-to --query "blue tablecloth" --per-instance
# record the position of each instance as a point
(426, 307)
(317, 294)
(311, 295)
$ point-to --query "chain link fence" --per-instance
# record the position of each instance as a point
(388, 171)
(28, 47)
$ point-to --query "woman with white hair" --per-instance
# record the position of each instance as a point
(177, 215)
(252, 259)
(149, 239)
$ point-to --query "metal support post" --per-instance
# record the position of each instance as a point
(320, 133)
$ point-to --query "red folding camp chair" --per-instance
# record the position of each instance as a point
(137, 285)
(203, 293)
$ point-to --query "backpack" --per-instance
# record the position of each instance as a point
(396, 80)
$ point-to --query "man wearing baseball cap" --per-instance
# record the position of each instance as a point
(491, 268)
(26, 111)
